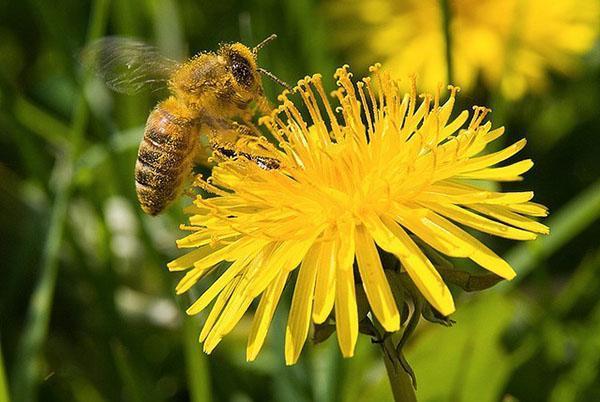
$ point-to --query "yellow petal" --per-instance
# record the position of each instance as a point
(506, 173)
(231, 252)
(494, 134)
(187, 260)
(264, 315)
(481, 223)
(454, 124)
(299, 317)
(285, 257)
(481, 162)
(453, 193)
(231, 315)
(202, 237)
(239, 301)
(474, 249)
(393, 239)
(217, 309)
(346, 313)
(217, 286)
(325, 285)
(375, 283)
(529, 208)
(503, 215)
(417, 222)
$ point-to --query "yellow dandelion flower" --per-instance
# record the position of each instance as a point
(510, 44)
(368, 174)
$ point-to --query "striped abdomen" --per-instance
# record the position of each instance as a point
(165, 157)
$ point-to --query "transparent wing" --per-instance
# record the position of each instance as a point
(127, 65)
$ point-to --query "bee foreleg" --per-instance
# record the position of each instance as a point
(189, 192)
(245, 128)
(263, 105)
(248, 128)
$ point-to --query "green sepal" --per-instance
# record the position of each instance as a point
(365, 326)
(432, 315)
(323, 331)
(468, 281)
(362, 303)
(404, 313)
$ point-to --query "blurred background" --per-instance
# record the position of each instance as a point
(87, 307)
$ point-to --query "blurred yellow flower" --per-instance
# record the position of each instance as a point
(509, 44)
(378, 169)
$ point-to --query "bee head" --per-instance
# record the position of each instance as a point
(242, 65)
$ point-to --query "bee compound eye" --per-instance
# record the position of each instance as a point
(241, 70)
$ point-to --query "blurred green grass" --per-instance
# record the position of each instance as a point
(87, 309)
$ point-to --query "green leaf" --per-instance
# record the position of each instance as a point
(584, 373)
(322, 332)
(469, 282)
(465, 362)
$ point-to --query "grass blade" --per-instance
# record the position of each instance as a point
(26, 375)
(41, 123)
(132, 384)
(571, 220)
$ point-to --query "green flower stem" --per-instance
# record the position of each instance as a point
(400, 381)
(3, 385)
(446, 21)
(198, 370)
(26, 373)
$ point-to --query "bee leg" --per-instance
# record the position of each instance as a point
(246, 128)
(254, 129)
(189, 192)
(243, 140)
(222, 149)
(203, 150)
(263, 106)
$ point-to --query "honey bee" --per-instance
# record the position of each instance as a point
(214, 94)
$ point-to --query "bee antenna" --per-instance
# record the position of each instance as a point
(263, 43)
(274, 78)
